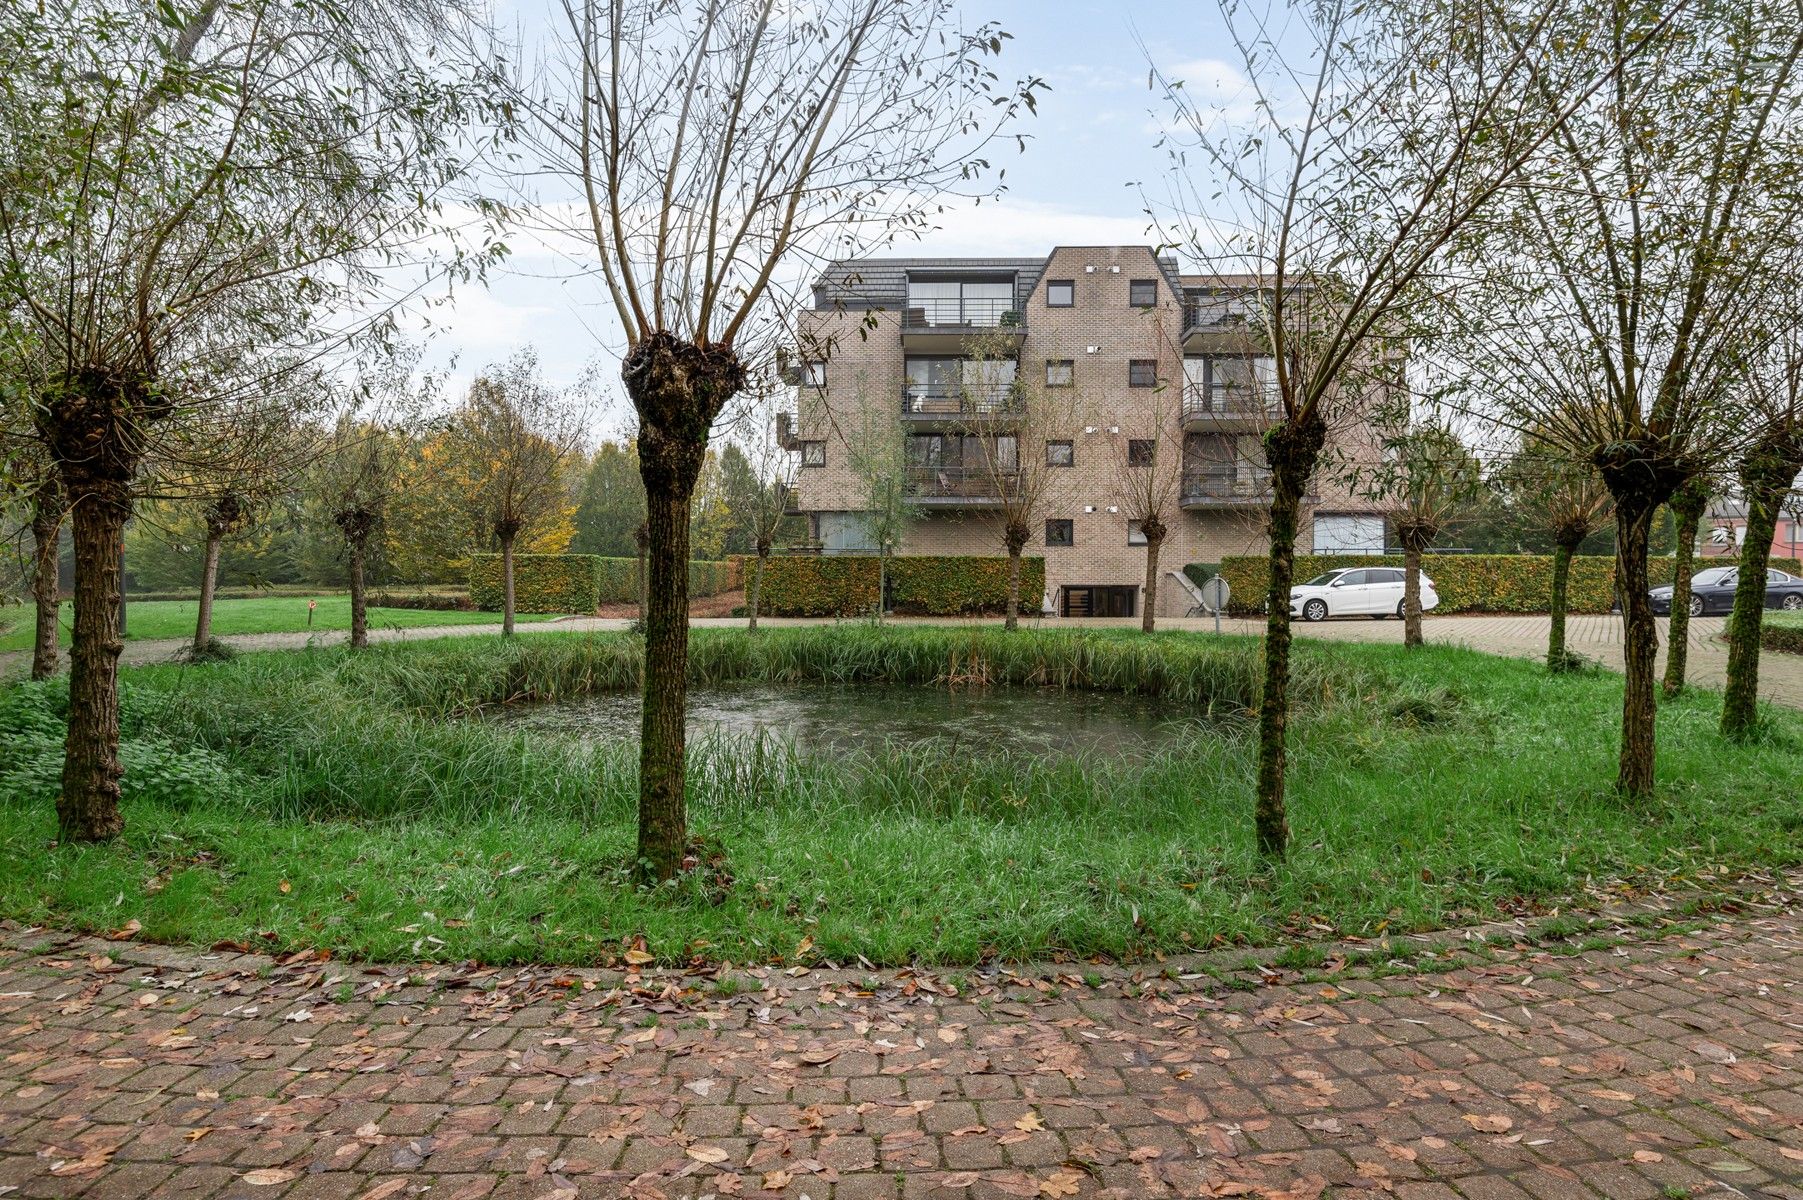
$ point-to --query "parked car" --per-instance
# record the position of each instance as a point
(1374, 592)
(1712, 591)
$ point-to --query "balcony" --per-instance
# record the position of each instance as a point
(1224, 488)
(1226, 410)
(923, 403)
(958, 487)
(948, 323)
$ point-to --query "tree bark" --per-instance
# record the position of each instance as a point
(1765, 478)
(88, 808)
(1411, 593)
(1555, 639)
(46, 524)
(1688, 503)
(507, 584)
(1640, 643)
(641, 536)
(882, 580)
(756, 589)
(1013, 622)
(209, 576)
(1148, 620)
(359, 597)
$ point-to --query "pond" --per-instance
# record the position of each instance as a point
(838, 719)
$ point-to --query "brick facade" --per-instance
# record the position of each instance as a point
(867, 337)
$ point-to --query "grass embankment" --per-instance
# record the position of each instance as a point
(151, 619)
(330, 799)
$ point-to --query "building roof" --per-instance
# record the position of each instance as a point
(865, 283)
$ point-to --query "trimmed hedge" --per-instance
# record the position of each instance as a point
(961, 585)
(1515, 583)
(1781, 634)
(542, 583)
(798, 585)
(926, 585)
(429, 601)
(618, 579)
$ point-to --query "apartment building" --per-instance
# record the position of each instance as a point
(1154, 358)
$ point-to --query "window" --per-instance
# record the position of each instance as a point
(1059, 372)
(813, 373)
(1349, 534)
(813, 454)
(843, 532)
(971, 302)
(1140, 452)
(1245, 385)
(1135, 535)
(957, 385)
(1353, 579)
(1142, 293)
(1060, 454)
(1061, 531)
(1142, 373)
(1060, 293)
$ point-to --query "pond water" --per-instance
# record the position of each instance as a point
(845, 719)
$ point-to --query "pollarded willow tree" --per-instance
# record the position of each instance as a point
(1424, 479)
(1565, 499)
(1687, 505)
(1633, 270)
(1148, 477)
(521, 439)
(187, 190)
(714, 149)
(1768, 468)
(1366, 141)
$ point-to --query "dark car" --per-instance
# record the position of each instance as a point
(1712, 591)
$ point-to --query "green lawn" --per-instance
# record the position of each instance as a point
(342, 800)
(269, 614)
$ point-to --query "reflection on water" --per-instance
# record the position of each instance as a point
(844, 718)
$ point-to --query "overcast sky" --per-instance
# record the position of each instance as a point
(1095, 135)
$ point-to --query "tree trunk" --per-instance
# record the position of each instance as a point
(1013, 622)
(640, 536)
(1148, 620)
(1555, 639)
(1688, 503)
(88, 808)
(1640, 643)
(663, 818)
(882, 580)
(1269, 818)
(507, 584)
(1411, 592)
(209, 576)
(46, 523)
(1765, 479)
(756, 589)
(359, 597)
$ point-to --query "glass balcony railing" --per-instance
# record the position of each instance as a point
(939, 400)
(1223, 485)
(969, 312)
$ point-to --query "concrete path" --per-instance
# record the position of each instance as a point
(1658, 1068)
(1595, 636)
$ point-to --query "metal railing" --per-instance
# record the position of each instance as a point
(1201, 403)
(972, 312)
(1224, 484)
(936, 400)
(959, 483)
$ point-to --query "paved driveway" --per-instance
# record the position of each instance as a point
(1661, 1068)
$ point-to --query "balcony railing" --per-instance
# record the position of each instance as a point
(973, 312)
(1228, 404)
(1224, 485)
(959, 483)
(936, 400)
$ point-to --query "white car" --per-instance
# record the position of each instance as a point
(1356, 592)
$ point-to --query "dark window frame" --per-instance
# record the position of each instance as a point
(1133, 528)
(1070, 372)
(811, 367)
(1071, 284)
(1136, 457)
(1067, 526)
(1068, 444)
(1149, 367)
(1134, 286)
(816, 447)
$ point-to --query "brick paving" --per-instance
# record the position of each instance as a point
(1654, 1068)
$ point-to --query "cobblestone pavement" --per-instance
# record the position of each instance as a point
(1654, 1068)
(1597, 636)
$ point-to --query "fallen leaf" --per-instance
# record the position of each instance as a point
(1648, 1156)
(1489, 1124)
(194, 1135)
(707, 1154)
(1063, 1183)
(269, 1176)
(639, 958)
(287, 887)
(776, 1181)
(126, 931)
(1030, 1123)
(384, 1190)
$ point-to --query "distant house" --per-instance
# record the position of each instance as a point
(1725, 528)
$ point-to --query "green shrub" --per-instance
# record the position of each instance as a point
(1782, 634)
(805, 585)
(959, 585)
(619, 579)
(426, 601)
(1512, 583)
(542, 583)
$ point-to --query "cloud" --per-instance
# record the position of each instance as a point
(1018, 228)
